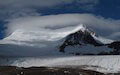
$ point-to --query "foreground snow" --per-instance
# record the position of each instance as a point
(106, 64)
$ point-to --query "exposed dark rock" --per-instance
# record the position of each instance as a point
(82, 38)
(79, 38)
(7, 70)
(77, 53)
(115, 46)
(104, 53)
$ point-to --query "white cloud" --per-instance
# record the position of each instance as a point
(33, 29)
(51, 22)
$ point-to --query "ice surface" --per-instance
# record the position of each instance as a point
(106, 64)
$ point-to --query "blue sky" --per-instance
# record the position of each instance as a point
(9, 9)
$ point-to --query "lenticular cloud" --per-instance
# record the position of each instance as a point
(34, 29)
(62, 23)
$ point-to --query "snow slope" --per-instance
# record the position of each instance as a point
(106, 64)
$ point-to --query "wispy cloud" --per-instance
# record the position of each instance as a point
(16, 8)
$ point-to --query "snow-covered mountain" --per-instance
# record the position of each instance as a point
(85, 41)
(77, 41)
(81, 37)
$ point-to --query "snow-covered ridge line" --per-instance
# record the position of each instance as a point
(103, 40)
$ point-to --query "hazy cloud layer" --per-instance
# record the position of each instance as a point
(16, 8)
(42, 3)
(61, 21)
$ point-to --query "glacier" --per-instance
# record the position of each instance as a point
(105, 64)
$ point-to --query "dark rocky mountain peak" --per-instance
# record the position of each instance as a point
(80, 37)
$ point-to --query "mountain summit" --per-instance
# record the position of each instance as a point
(85, 39)
(81, 37)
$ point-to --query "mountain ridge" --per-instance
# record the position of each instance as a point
(86, 36)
